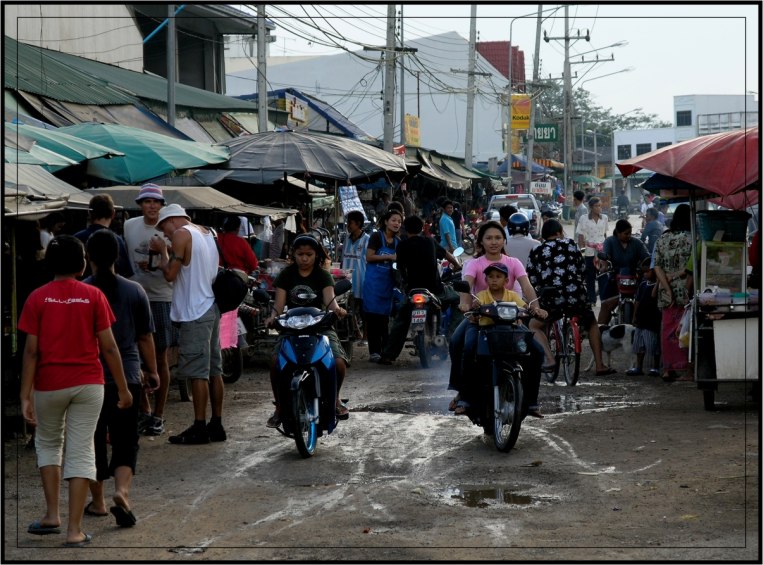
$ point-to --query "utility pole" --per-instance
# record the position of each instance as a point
(468, 143)
(531, 131)
(567, 96)
(389, 80)
(402, 84)
(262, 85)
(171, 64)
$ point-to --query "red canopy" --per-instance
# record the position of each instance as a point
(724, 163)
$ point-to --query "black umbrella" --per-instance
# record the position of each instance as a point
(261, 158)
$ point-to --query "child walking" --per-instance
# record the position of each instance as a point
(647, 320)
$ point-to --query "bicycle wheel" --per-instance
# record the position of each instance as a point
(305, 426)
(571, 354)
(555, 344)
(508, 418)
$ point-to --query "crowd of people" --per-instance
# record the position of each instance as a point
(96, 373)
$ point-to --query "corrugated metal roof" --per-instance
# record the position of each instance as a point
(31, 69)
(154, 87)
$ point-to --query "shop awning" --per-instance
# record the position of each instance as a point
(35, 181)
(439, 173)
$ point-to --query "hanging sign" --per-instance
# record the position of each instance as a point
(412, 134)
(520, 108)
(349, 200)
(539, 187)
(546, 133)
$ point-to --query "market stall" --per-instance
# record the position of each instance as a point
(723, 339)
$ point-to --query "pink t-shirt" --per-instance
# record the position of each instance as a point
(475, 267)
(66, 315)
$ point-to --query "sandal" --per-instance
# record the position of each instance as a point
(342, 412)
(461, 407)
(274, 421)
(454, 402)
(605, 372)
(534, 412)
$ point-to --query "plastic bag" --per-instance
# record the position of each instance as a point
(684, 329)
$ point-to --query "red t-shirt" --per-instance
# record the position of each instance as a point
(237, 251)
(65, 316)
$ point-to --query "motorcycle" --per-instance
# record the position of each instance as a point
(627, 285)
(497, 401)
(307, 381)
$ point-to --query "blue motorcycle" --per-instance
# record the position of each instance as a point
(307, 381)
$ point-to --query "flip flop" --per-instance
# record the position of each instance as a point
(125, 518)
(342, 412)
(90, 512)
(38, 529)
(81, 543)
(453, 403)
(605, 372)
(461, 407)
(535, 413)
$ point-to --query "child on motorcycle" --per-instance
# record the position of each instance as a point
(304, 283)
(496, 276)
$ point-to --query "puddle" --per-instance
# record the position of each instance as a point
(482, 497)
(579, 403)
(407, 406)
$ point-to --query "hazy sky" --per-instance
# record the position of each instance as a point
(673, 50)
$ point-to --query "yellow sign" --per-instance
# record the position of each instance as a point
(520, 109)
(412, 135)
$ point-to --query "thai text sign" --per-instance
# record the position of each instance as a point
(540, 188)
(546, 133)
(520, 109)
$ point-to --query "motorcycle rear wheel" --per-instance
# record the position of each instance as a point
(233, 364)
(507, 420)
(305, 427)
(425, 355)
(570, 359)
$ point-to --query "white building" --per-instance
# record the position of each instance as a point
(695, 115)
(435, 89)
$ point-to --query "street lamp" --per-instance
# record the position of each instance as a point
(511, 61)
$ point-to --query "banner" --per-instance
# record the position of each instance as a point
(412, 134)
(520, 109)
(349, 200)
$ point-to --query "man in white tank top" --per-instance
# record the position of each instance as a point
(191, 265)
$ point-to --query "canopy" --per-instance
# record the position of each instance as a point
(723, 163)
(588, 179)
(35, 181)
(63, 143)
(264, 157)
(147, 154)
(192, 198)
(520, 161)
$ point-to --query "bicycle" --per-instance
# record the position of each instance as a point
(564, 339)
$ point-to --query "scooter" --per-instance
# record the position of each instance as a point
(307, 380)
(497, 402)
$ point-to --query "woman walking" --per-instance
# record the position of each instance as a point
(671, 254)
(381, 252)
(67, 322)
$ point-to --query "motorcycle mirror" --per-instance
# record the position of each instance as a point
(458, 251)
(342, 286)
(461, 286)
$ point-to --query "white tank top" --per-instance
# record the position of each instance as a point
(192, 295)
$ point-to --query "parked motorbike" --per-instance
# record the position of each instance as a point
(307, 381)
(497, 400)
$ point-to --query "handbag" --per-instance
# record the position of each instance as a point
(228, 287)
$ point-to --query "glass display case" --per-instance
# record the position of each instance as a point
(724, 267)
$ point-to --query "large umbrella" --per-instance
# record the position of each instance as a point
(18, 148)
(261, 158)
(62, 143)
(147, 154)
(588, 179)
(723, 163)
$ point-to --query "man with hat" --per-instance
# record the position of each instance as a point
(192, 266)
(138, 232)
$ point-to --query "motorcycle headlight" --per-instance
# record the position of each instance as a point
(520, 344)
(301, 322)
(507, 312)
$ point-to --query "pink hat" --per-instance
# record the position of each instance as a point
(150, 190)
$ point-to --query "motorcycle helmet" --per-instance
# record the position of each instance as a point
(518, 223)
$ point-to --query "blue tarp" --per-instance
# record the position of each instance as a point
(522, 160)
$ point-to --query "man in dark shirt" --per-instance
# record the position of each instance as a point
(101, 212)
(417, 263)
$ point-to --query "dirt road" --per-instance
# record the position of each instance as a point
(621, 468)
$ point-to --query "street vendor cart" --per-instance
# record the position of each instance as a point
(726, 344)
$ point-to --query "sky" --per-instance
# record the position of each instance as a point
(671, 50)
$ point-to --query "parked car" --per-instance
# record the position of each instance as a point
(525, 203)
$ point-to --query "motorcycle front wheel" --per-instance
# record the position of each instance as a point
(233, 364)
(627, 314)
(305, 426)
(507, 418)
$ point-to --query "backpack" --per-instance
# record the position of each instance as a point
(229, 288)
